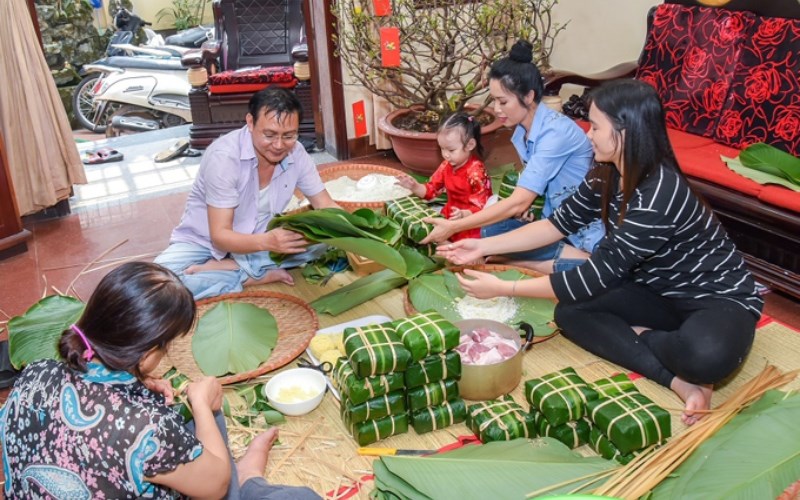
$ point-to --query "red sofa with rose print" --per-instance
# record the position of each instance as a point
(729, 78)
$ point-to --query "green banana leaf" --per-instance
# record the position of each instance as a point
(439, 291)
(358, 292)
(502, 469)
(496, 175)
(772, 160)
(233, 337)
(335, 223)
(755, 455)
(759, 176)
(35, 334)
(404, 260)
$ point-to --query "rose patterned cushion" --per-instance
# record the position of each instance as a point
(764, 100)
(251, 79)
(689, 57)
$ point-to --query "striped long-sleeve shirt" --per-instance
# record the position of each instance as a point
(668, 241)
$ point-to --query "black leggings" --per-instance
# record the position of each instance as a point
(701, 341)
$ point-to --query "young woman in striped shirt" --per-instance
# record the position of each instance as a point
(665, 293)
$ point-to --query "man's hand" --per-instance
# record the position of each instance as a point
(482, 285)
(205, 393)
(461, 252)
(442, 230)
(281, 240)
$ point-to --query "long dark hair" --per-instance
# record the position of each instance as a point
(136, 307)
(469, 126)
(633, 107)
(517, 73)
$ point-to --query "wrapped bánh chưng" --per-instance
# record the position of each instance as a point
(371, 431)
(359, 389)
(605, 448)
(501, 419)
(613, 386)
(427, 333)
(432, 394)
(379, 407)
(561, 395)
(375, 350)
(410, 212)
(630, 420)
(433, 369)
(507, 186)
(573, 434)
(437, 417)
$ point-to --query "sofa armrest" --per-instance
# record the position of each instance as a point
(206, 56)
(556, 79)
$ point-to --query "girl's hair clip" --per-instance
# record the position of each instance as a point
(469, 118)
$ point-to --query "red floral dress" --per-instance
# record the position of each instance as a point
(468, 188)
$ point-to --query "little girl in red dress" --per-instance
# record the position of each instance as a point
(461, 174)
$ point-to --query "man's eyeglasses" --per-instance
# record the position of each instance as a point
(285, 138)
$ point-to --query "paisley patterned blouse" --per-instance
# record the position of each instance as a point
(100, 434)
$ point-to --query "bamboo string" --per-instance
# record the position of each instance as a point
(594, 476)
(641, 476)
(311, 429)
(94, 261)
(106, 261)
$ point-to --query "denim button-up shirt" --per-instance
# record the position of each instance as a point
(556, 156)
(228, 178)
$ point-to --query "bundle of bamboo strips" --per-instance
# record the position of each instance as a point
(645, 472)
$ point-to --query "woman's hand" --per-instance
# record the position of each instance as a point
(442, 230)
(160, 386)
(461, 252)
(205, 393)
(482, 285)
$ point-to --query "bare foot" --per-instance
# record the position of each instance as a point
(697, 398)
(273, 276)
(254, 462)
(213, 265)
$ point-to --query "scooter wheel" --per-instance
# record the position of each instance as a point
(89, 115)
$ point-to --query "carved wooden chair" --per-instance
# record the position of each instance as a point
(253, 49)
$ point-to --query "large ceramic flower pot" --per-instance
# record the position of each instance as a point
(419, 151)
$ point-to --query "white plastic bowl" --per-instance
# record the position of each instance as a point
(306, 378)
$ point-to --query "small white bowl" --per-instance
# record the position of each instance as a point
(306, 378)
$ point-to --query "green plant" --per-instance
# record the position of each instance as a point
(446, 46)
(185, 14)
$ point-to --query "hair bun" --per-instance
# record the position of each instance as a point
(521, 52)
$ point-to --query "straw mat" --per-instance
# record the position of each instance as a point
(316, 450)
(297, 323)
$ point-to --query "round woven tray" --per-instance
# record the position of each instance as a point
(297, 324)
(356, 171)
(488, 268)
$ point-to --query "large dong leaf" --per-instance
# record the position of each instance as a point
(755, 455)
(35, 334)
(233, 337)
(501, 469)
(759, 176)
(358, 292)
(771, 160)
(335, 223)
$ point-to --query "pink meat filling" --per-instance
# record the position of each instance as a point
(485, 347)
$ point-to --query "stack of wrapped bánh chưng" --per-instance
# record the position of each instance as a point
(624, 421)
(432, 376)
(371, 383)
(559, 404)
(410, 213)
(501, 419)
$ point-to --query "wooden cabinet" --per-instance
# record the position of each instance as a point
(13, 236)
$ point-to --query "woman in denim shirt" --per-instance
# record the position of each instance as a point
(556, 156)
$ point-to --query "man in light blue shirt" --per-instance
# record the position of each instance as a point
(246, 177)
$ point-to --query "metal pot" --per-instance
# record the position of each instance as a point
(483, 382)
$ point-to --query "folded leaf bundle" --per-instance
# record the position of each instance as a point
(501, 419)
(318, 225)
(409, 212)
(357, 389)
(613, 386)
(507, 186)
(573, 434)
(375, 350)
(433, 369)
(374, 430)
(561, 395)
(371, 409)
(358, 292)
(771, 160)
(432, 394)
(605, 448)
(427, 333)
(630, 420)
(432, 418)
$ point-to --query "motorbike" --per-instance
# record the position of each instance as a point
(136, 89)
